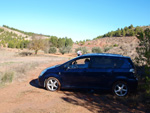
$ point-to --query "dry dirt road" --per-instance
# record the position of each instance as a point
(26, 97)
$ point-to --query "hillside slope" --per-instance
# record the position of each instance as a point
(117, 45)
(28, 37)
(13, 31)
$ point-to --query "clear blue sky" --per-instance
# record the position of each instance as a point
(76, 19)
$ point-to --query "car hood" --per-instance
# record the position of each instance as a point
(52, 67)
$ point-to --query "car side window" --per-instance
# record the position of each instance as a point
(102, 62)
(118, 62)
(121, 63)
(79, 64)
(110, 62)
(127, 64)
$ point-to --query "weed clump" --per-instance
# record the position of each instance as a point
(7, 77)
(96, 50)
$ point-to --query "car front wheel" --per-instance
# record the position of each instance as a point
(120, 89)
(52, 84)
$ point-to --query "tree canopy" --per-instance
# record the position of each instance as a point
(37, 43)
(126, 31)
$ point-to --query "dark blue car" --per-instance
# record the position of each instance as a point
(94, 71)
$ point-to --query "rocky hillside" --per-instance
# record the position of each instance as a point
(122, 41)
(117, 45)
(124, 45)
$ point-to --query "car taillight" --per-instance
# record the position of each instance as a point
(134, 73)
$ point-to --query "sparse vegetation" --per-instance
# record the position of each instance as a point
(143, 58)
(14, 67)
(64, 42)
(115, 45)
(21, 68)
(37, 43)
(83, 49)
(25, 53)
(12, 40)
(7, 77)
(63, 50)
(52, 50)
(126, 31)
(1, 30)
(69, 49)
(96, 50)
(81, 42)
(107, 48)
(27, 33)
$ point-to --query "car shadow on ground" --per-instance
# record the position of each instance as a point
(97, 100)
(34, 83)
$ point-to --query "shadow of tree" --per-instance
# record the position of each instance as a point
(100, 101)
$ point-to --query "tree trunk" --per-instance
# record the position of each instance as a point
(36, 52)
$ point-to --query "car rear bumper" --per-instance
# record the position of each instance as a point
(133, 84)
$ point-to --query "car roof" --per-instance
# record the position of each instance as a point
(97, 54)
(103, 54)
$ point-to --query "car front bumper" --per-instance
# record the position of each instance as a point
(41, 82)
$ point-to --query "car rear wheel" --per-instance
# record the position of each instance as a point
(52, 84)
(120, 89)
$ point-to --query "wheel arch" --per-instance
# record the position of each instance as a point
(52, 75)
(119, 80)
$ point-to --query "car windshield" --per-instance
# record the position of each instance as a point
(57, 65)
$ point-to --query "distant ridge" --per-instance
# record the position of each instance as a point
(21, 33)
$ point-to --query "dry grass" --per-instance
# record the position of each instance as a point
(7, 77)
(63, 101)
(15, 67)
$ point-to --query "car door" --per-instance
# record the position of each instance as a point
(100, 72)
(73, 74)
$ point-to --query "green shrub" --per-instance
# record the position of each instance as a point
(7, 77)
(107, 49)
(115, 45)
(11, 45)
(83, 49)
(1, 30)
(96, 50)
(62, 50)
(53, 40)
(52, 50)
(143, 58)
(25, 53)
(68, 49)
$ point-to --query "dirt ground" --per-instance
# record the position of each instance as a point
(27, 97)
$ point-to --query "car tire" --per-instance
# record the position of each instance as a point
(52, 84)
(120, 89)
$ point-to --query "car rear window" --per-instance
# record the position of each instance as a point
(110, 62)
